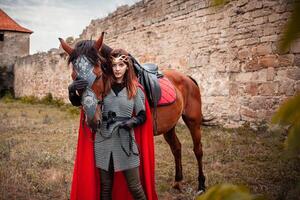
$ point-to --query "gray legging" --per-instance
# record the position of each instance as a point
(132, 179)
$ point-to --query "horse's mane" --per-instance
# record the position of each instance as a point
(105, 51)
(86, 47)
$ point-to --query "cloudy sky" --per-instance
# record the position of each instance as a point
(50, 19)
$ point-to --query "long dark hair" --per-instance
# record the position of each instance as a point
(130, 78)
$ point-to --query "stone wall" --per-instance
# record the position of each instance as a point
(230, 51)
(42, 73)
(15, 45)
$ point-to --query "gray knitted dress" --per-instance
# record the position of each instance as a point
(116, 142)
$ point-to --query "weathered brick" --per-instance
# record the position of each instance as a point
(233, 67)
(244, 77)
(240, 42)
(264, 49)
(297, 60)
(253, 5)
(270, 4)
(251, 41)
(270, 30)
(257, 103)
(262, 103)
(294, 73)
(233, 89)
(220, 67)
(252, 65)
(270, 38)
(251, 88)
(244, 54)
(274, 17)
(295, 47)
(248, 112)
(260, 13)
(286, 60)
(270, 74)
(286, 88)
(268, 61)
(268, 89)
(281, 74)
(259, 76)
(241, 3)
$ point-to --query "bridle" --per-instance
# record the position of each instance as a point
(91, 104)
(101, 96)
(84, 69)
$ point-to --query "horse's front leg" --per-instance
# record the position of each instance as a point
(175, 146)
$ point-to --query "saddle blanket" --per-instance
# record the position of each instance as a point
(168, 93)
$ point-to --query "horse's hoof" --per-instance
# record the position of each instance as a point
(177, 185)
(200, 192)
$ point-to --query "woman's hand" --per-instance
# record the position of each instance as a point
(78, 85)
(129, 124)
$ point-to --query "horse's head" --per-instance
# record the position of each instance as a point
(87, 64)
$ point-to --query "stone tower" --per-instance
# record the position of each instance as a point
(14, 43)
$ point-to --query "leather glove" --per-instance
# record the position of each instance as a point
(129, 124)
(76, 85)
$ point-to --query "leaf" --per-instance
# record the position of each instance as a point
(219, 2)
(289, 112)
(292, 28)
(228, 192)
(292, 143)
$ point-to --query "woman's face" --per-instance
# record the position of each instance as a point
(119, 69)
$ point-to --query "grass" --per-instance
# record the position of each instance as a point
(37, 145)
(37, 151)
(46, 100)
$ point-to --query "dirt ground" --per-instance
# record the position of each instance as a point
(37, 145)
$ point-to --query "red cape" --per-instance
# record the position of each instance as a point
(86, 178)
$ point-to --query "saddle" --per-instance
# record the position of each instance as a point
(148, 75)
(159, 90)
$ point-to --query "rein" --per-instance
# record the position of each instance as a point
(100, 98)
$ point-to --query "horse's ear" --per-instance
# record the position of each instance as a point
(65, 46)
(99, 42)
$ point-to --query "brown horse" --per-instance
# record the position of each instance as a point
(187, 105)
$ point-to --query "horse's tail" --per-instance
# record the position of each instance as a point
(204, 122)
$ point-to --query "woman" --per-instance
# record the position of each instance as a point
(115, 146)
(118, 157)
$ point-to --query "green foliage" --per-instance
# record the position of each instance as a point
(29, 99)
(228, 192)
(288, 114)
(49, 100)
(292, 28)
(46, 100)
(75, 111)
(219, 2)
(8, 97)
